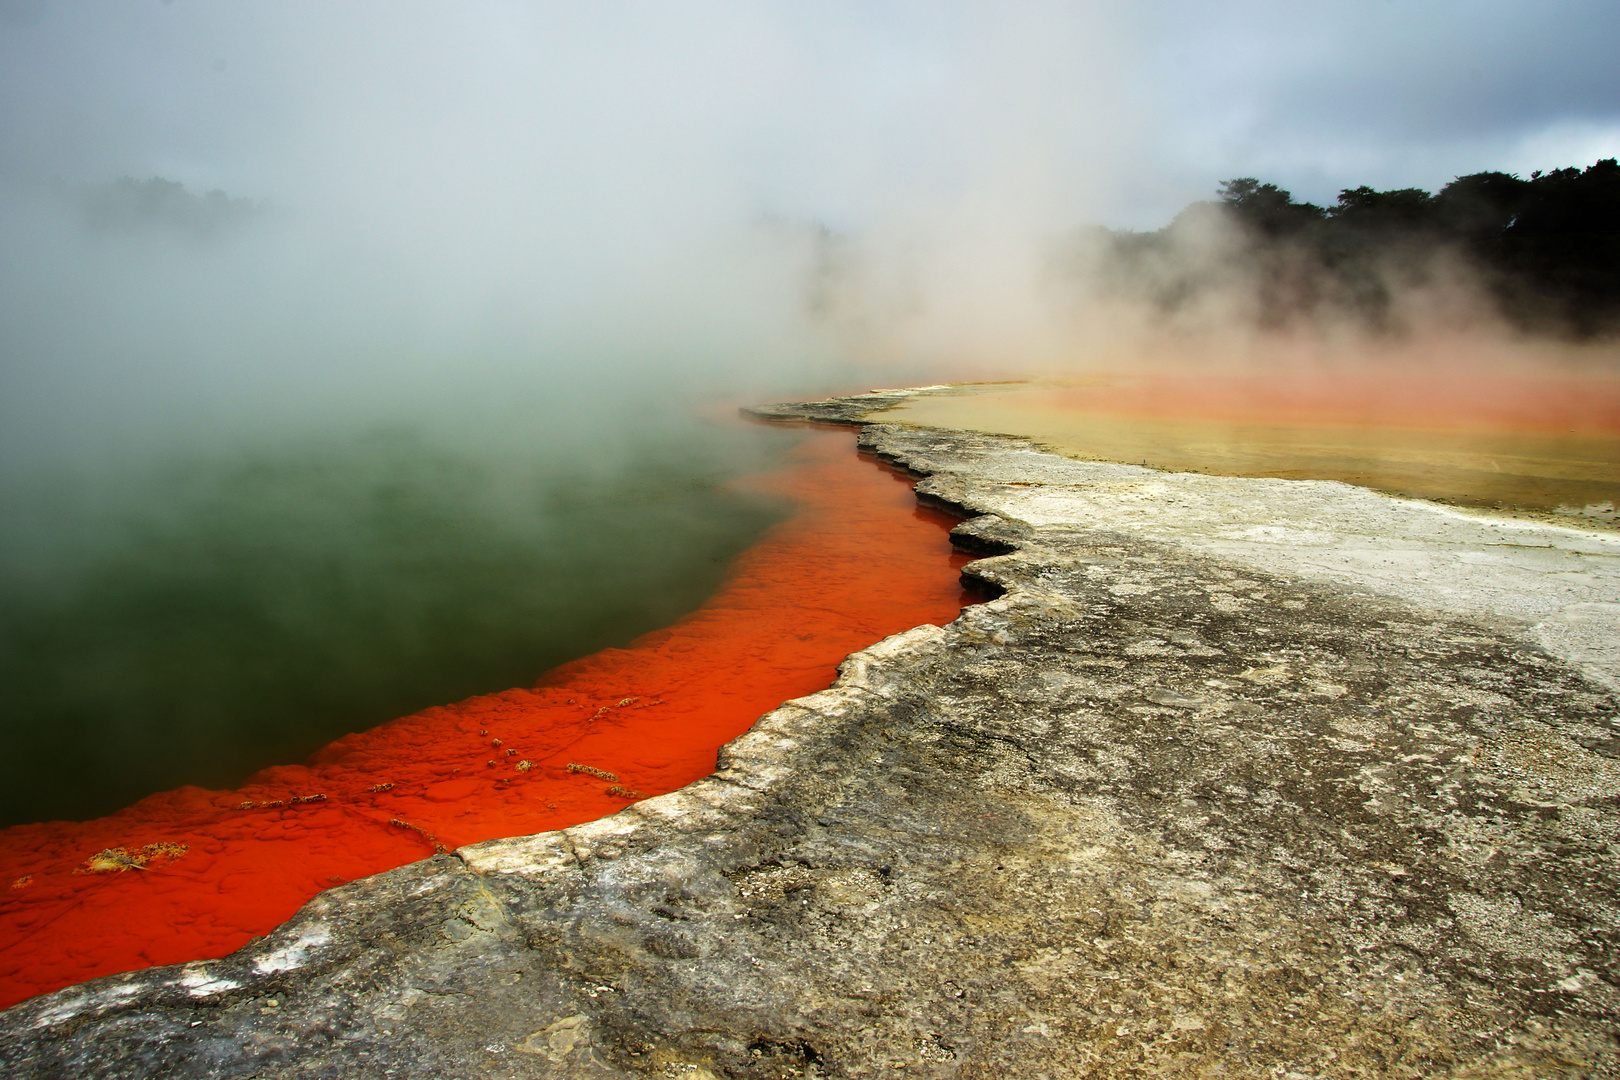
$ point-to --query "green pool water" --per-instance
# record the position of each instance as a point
(204, 616)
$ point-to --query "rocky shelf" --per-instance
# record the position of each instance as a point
(1234, 777)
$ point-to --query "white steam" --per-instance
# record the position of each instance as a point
(572, 207)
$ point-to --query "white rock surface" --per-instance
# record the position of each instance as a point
(1557, 584)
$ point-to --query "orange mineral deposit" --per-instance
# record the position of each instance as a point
(1541, 441)
(192, 874)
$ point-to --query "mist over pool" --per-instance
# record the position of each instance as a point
(352, 361)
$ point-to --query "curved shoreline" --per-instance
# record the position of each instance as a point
(853, 563)
(1162, 804)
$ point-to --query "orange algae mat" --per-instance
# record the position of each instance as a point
(859, 560)
(1453, 399)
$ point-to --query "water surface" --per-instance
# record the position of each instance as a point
(210, 614)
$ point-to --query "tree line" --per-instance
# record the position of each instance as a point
(1544, 250)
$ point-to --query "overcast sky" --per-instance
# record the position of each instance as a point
(833, 110)
(617, 180)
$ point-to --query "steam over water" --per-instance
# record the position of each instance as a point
(350, 358)
(324, 399)
(261, 486)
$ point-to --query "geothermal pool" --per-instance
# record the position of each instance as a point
(194, 873)
(1544, 444)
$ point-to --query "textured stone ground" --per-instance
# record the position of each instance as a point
(1179, 803)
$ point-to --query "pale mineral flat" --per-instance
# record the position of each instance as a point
(1558, 585)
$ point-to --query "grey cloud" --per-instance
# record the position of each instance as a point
(1393, 93)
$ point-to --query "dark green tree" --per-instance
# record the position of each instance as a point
(1267, 208)
(1547, 248)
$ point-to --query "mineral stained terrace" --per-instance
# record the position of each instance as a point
(1236, 778)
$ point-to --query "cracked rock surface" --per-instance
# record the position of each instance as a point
(1164, 808)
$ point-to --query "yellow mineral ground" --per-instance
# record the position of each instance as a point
(1541, 444)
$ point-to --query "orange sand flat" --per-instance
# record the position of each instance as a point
(1434, 399)
(1542, 443)
(858, 561)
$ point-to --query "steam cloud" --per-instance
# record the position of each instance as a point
(438, 208)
